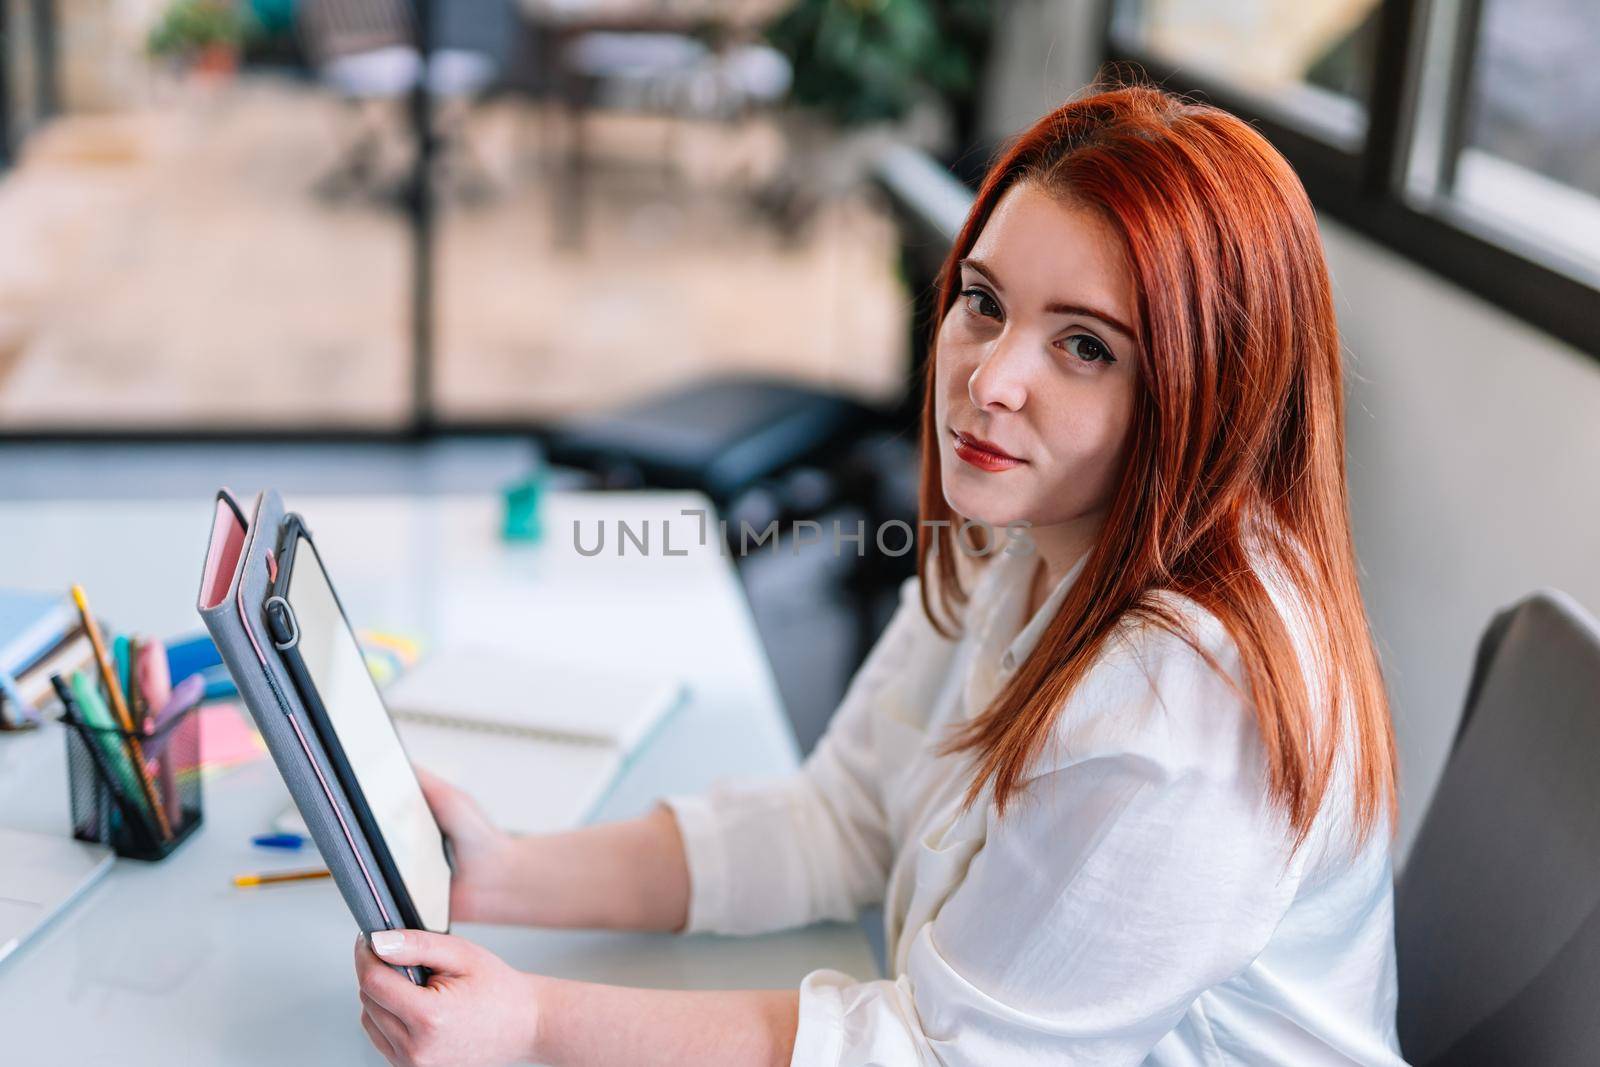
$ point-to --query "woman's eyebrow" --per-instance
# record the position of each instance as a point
(1080, 309)
(1058, 308)
(978, 265)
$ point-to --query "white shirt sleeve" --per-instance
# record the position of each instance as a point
(1141, 865)
(814, 845)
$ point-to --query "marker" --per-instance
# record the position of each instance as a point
(284, 841)
(183, 696)
(245, 881)
(155, 680)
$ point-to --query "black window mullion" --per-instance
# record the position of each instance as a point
(5, 85)
(1392, 98)
(1459, 101)
(45, 55)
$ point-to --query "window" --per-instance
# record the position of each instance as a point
(1509, 126)
(1464, 134)
(1308, 61)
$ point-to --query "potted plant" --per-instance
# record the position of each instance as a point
(876, 61)
(868, 74)
(202, 36)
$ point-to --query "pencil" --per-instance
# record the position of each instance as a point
(120, 706)
(244, 881)
(137, 709)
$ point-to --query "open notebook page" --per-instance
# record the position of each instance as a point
(496, 688)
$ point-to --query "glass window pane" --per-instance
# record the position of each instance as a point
(174, 254)
(602, 245)
(1529, 153)
(1309, 61)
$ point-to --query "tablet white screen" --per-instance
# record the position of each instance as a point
(365, 732)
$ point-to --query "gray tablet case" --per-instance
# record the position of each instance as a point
(237, 626)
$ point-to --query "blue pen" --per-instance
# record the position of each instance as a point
(291, 842)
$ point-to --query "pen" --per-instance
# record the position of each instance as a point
(284, 841)
(120, 707)
(244, 881)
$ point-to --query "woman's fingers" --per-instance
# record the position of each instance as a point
(393, 1027)
(419, 948)
(456, 812)
(432, 785)
(379, 1039)
(382, 983)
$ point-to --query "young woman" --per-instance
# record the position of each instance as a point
(1124, 782)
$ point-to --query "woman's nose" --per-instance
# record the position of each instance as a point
(998, 382)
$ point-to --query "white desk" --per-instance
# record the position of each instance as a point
(168, 963)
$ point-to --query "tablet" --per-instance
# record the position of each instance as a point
(313, 636)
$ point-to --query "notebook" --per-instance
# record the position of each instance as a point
(31, 625)
(40, 875)
(72, 654)
(536, 742)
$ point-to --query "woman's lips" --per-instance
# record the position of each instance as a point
(985, 455)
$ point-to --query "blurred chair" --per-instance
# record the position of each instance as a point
(763, 451)
(366, 52)
(1498, 910)
(723, 436)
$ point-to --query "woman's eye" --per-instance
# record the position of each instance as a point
(981, 303)
(1088, 348)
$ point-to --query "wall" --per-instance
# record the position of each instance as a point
(1474, 445)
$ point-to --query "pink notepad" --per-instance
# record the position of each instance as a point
(227, 739)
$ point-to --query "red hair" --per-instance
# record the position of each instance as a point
(1238, 417)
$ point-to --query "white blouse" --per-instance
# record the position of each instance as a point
(1138, 902)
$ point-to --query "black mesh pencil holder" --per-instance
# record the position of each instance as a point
(137, 792)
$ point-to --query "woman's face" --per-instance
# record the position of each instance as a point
(1036, 366)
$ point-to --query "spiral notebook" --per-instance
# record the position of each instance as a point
(537, 742)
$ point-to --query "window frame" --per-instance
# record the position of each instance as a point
(1365, 190)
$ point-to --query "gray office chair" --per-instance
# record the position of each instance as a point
(1497, 915)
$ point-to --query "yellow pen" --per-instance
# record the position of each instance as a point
(119, 705)
(244, 881)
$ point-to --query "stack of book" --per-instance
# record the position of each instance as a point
(40, 635)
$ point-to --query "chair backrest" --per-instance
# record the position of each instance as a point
(334, 28)
(1497, 915)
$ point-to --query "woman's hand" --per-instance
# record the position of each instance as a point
(475, 1010)
(484, 854)
(629, 875)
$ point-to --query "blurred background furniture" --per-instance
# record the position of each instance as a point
(775, 454)
(728, 437)
(369, 52)
(1498, 907)
(697, 58)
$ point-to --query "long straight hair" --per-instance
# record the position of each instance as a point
(1237, 433)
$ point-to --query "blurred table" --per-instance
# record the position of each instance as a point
(556, 26)
(168, 963)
